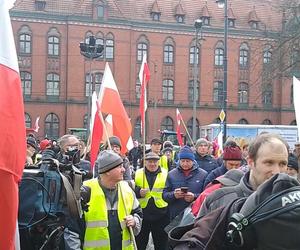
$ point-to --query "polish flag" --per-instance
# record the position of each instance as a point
(110, 103)
(96, 127)
(144, 77)
(109, 128)
(12, 130)
(296, 97)
(179, 118)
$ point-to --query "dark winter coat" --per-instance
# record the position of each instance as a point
(176, 179)
(207, 162)
(225, 195)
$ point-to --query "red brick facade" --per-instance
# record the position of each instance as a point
(128, 23)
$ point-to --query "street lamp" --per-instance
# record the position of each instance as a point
(223, 4)
(198, 26)
(91, 50)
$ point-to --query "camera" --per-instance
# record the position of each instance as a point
(49, 193)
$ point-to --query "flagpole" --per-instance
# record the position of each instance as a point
(105, 130)
(144, 140)
(126, 212)
(187, 132)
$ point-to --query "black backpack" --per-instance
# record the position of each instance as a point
(208, 232)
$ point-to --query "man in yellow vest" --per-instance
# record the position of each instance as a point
(150, 182)
(113, 207)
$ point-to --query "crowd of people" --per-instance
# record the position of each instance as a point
(135, 195)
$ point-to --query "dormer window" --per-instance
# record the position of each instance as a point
(254, 25)
(180, 18)
(100, 11)
(40, 5)
(205, 20)
(231, 23)
(155, 16)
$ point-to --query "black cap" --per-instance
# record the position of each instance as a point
(114, 140)
(293, 162)
(32, 142)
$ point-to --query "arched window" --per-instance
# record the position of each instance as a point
(137, 89)
(109, 47)
(243, 121)
(137, 128)
(168, 53)
(87, 36)
(167, 124)
(52, 85)
(26, 82)
(100, 9)
(190, 127)
(267, 95)
(243, 93)
(219, 54)
(191, 91)
(244, 56)
(96, 80)
(218, 91)
(53, 46)
(142, 49)
(53, 42)
(52, 126)
(266, 122)
(25, 40)
(168, 90)
(27, 120)
(100, 41)
(192, 55)
(267, 54)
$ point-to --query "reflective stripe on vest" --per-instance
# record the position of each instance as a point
(97, 235)
(157, 189)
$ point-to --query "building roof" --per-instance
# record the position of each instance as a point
(265, 10)
(253, 16)
(179, 9)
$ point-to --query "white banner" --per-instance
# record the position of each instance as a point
(296, 93)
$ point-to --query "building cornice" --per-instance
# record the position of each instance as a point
(138, 26)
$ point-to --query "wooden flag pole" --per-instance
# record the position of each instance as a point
(105, 130)
(126, 212)
(187, 132)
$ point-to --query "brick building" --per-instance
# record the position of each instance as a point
(55, 75)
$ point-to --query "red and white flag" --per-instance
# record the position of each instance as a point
(36, 125)
(110, 103)
(96, 128)
(12, 130)
(144, 77)
(178, 132)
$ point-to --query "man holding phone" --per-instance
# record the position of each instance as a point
(184, 183)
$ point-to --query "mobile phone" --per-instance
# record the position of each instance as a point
(184, 189)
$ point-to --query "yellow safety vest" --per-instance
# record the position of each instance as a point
(163, 161)
(96, 235)
(156, 191)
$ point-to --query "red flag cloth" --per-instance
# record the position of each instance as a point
(96, 137)
(144, 77)
(110, 103)
(178, 118)
(12, 131)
